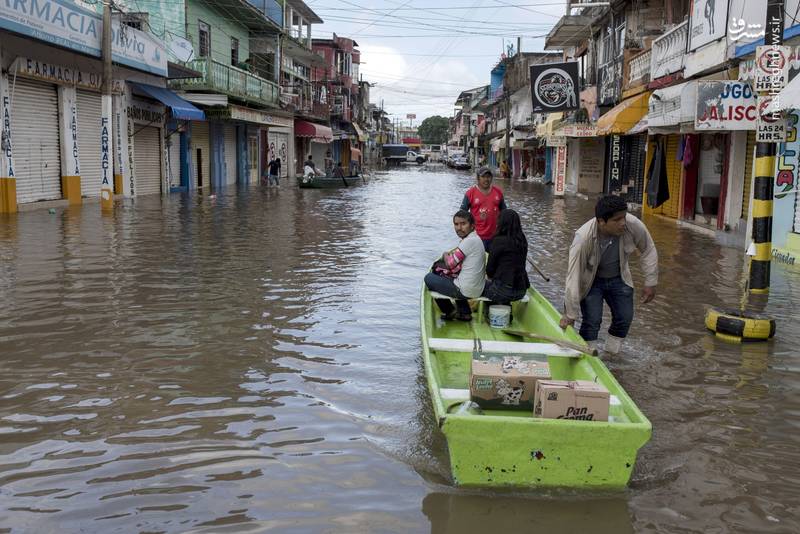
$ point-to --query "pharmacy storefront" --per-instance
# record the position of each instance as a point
(54, 128)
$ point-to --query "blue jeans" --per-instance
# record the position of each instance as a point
(619, 297)
(274, 178)
(445, 286)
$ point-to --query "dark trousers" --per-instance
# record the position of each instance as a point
(500, 293)
(619, 297)
(445, 286)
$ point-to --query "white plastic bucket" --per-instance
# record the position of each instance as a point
(499, 316)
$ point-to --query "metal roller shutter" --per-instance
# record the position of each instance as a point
(174, 160)
(748, 173)
(147, 160)
(633, 189)
(229, 132)
(34, 134)
(200, 142)
(90, 111)
(279, 147)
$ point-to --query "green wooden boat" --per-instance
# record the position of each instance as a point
(498, 447)
(327, 182)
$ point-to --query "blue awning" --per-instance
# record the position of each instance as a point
(181, 109)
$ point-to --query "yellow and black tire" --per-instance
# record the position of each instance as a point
(737, 326)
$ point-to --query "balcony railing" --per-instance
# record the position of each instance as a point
(669, 51)
(231, 81)
(638, 69)
(270, 8)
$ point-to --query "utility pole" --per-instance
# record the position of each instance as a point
(106, 140)
(764, 178)
(508, 125)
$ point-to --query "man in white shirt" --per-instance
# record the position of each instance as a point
(467, 263)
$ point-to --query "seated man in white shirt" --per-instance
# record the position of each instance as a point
(463, 270)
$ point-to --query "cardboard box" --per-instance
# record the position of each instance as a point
(571, 399)
(506, 381)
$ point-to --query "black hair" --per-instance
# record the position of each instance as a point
(509, 225)
(464, 214)
(608, 206)
(309, 156)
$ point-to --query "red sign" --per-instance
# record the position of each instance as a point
(561, 171)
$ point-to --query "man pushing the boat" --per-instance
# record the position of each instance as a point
(598, 271)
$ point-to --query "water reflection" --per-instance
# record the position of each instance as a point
(253, 361)
(453, 513)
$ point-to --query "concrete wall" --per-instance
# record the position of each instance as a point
(222, 29)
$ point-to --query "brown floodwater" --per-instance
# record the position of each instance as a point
(252, 362)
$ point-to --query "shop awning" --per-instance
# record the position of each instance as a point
(546, 129)
(361, 137)
(498, 143)
(624, 115)
(570, 30)
(639, 127)
(180, 108)
(317, 132)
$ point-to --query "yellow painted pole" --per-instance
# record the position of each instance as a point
(762, 217)
(765, 174)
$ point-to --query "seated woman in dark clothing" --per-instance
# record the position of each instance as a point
(507, 279)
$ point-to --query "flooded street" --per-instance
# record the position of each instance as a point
(253, 362)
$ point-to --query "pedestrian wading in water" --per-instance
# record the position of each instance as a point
(599, 271)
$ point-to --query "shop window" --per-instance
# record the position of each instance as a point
(204, 39)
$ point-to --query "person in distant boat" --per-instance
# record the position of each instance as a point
(328, 163)
(338, 172)
(309, 163)
(484, 201)
(598, 270)
(275, 172)
(459, 273)
(507, 278)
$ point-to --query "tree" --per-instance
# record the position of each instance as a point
(433, 130)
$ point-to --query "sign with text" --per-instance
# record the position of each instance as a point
(615, 158)
(609, 80)
(559, 182)
(71, 26)
(411, 115)
(556, 141)
(772, 67)
(707, 22)
(577, 130)
(788, 160)
(725, 105)
(770, 126)
(554, 87)
(62, 75)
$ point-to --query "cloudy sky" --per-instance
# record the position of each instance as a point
(421, 54)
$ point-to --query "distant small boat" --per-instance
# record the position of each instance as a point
(327, 182)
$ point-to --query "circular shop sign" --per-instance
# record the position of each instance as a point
(553, 87)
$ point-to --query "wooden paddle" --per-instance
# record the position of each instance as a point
(546, 278)
(555, 341)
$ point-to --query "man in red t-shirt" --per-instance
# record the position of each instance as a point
(484, 201)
